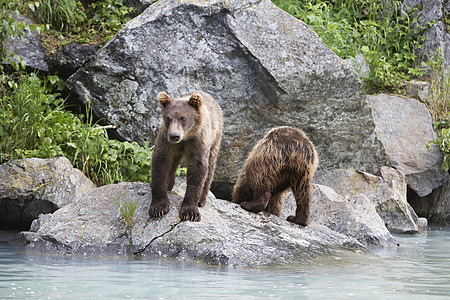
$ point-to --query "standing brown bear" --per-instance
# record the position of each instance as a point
(283, 158)
(192, 127)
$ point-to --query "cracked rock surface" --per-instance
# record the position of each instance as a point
(227, 234)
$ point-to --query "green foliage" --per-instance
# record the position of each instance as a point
(126, 211)
(442, 128)
(373, 28)
(439, 93)
(70, 21)
(34, 123)
(108, 16)
(439, 105)
(61, 15)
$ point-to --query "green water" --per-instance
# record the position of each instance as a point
(418, 269)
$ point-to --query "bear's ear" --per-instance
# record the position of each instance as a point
(164, 99)
(196, 101)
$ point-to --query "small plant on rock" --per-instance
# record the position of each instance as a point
(126, 211)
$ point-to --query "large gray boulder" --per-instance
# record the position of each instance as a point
(404, 126)
(227, 234)
(30, 187)
(355, 217)
(263, 66)
(387, 192)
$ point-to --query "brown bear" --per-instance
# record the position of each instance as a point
(192, 128)
(283, 158)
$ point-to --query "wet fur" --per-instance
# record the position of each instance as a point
(197, 118)
(284, 158)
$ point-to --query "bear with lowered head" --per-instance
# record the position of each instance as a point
(284, 158)
(192, 128)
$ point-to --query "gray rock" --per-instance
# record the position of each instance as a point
(436, 38)
(30, 187)
(417, 89)
(355, 217)
(432, 10)
(387, 192)
(28, 47)
(435, 207)
(360, 65)
(227, 234)
(404, 126)
(422, 225)
(440, 213)
(71, 58)
(264, 67)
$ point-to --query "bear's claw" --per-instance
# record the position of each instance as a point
(190, 214)
(157, 211)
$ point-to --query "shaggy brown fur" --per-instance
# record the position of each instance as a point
(283, 158)
(192, 128)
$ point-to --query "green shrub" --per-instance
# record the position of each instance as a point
(34, 123)
(372, 28)
(61, 15)
(108, 16)
(442, 128)
(439, 105)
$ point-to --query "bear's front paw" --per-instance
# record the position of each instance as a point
(158, 210)
(190, 213)
(296, 220)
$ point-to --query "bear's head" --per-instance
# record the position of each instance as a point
(182, 117)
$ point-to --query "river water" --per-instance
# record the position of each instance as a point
(418, 269)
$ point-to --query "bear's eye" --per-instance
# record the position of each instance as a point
(168, 120)
(183, 119)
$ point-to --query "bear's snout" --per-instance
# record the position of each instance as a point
(174, 138)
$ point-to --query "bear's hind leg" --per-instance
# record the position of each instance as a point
(275, 204)
(302, 191)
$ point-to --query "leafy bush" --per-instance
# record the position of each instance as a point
(439, 105)
(442, 128)
(373, 28)
(70, 21)
(62, 15)
(34, 123)
(108, 16)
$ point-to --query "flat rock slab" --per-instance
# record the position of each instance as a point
(227, 234)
